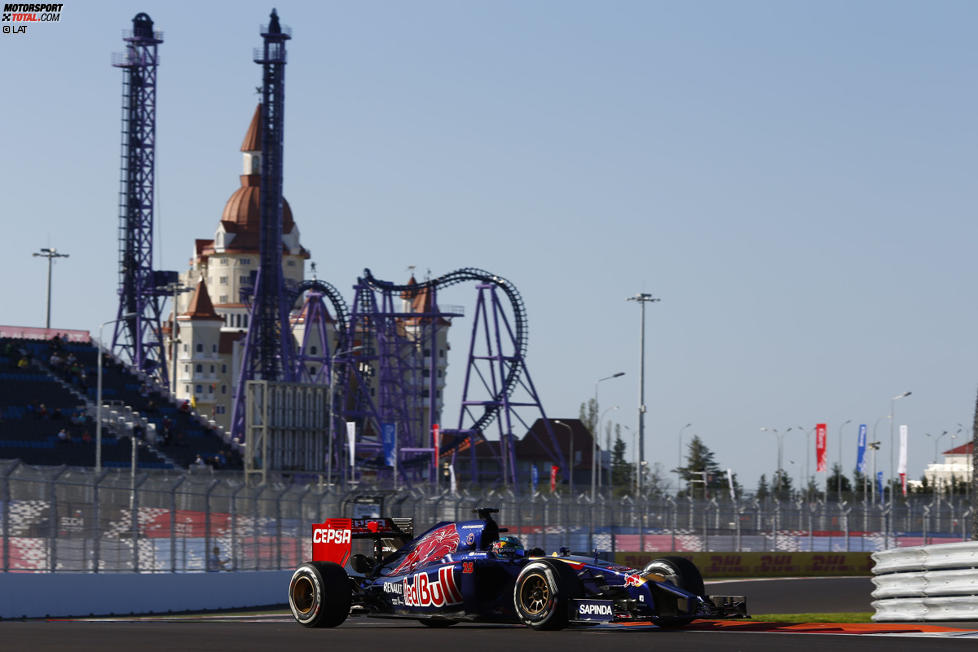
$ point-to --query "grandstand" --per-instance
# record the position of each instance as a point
(48, 412)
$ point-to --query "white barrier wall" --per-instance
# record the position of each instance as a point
(38, 595)
(937, 582)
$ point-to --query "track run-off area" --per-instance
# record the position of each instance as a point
(274, 629)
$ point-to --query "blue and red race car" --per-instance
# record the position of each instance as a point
(466, 572)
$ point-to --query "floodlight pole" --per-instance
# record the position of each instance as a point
(642, 299)
(50, 254)
(892, 464)
(597, 428)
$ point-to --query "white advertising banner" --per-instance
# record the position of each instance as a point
(351, 439)
(902, 466)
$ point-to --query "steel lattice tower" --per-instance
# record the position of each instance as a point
(137, 336)
(269, 347)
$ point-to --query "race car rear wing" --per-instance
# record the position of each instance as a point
(333, 540)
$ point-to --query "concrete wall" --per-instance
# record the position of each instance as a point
(38, 595)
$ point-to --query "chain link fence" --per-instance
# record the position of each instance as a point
(67, 519)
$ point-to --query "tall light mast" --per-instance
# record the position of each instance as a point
(137, 336)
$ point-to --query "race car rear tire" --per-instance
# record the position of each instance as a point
(543, 592)
(678, 571)
(319, 594)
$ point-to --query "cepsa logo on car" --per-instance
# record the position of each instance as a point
(422, 591)
(323, 535)
(331, 541)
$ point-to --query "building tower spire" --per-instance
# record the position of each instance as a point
(269, 347)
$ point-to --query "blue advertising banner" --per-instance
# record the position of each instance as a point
(879, 484)
(861, 449)
(534, 477)
(388, 437)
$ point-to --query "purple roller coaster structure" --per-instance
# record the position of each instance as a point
(379, 358)
(137, 335)
(397, 366)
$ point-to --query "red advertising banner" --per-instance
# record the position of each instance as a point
(553, 477)
(820, 447)
(436, 444)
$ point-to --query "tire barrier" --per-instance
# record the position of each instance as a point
(936, 582)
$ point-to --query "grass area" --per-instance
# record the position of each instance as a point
(846, 617)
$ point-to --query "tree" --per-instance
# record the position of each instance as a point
(837, 476)
(782, 485)
(701, 470)
(812, 492)
(622, 472)
(860, 484)
(589, 415)
(654, 482)
(762, 489)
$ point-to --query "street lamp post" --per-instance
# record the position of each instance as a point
(50, 254)
(594, 450)
(874, 446)
(98, 393)
(892, 465)
(808, 452)
(597, 428)
(839, 480)
(780, 471)
(642, 299)
(679, 457)
(937, 440)
(570, 463)
(332, 393)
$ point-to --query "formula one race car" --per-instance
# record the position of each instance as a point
(465, 571)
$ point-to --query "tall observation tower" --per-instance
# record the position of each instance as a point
(269, 346)
(137, 336)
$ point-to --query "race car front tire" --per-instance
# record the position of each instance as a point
(542, 594)
(319, 594)
(679, 572)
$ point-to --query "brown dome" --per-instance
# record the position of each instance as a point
(244, 206)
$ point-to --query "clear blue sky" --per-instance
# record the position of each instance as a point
(796, 181)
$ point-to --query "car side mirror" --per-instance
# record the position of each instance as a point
(362, 563)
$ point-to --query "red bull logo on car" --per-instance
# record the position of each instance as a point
(421, 590)
(432, 547)
(634, 579)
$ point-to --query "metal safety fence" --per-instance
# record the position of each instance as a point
(69, 519)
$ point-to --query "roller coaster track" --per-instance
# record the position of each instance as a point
(342, 313)
(467, 275)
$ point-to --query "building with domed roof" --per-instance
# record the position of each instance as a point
(222, 270)
(212, 321)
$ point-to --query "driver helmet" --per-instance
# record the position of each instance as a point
(508, 547)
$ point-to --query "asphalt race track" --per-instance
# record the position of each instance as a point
(276, 631)
(800, 596)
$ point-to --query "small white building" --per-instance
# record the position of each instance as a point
(956, 466)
